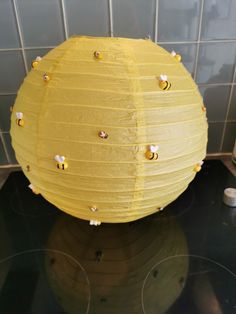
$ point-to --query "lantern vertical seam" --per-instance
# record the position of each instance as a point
(139, 178)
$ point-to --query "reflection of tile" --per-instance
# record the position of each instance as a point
(187, 51)
(178, 20)
(219, 19)
(41, 22)
(5, 102)
(8, 30)
(214, 137)
(230, 137)
(10, 150)
(133, 18)
(216, 62)
(31, 54)
(232, 109)
(3, 158)
(88, 17)
(216, 100)
(12, 71)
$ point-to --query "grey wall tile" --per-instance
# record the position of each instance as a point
(214, 136)
(216, 62)
(12, 71)
(41, 22)
(216, 100)
(3, 157)
(232, 109)
(134, 18)
(88, 17)
(10, 150)
(5, 102)
(31, 54)
(219, 20)
(187, 51)
(178, 20)
(230, 136)
(8, 30)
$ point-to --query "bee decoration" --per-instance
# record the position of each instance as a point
(97, 55)
(61, 164)
(93, 209)
(28, 168)
(176, 55)
(151, 153)
(103, 134)
(203, 108)
(46, 77)
(35, 62)
(198, 166)
(163, 82)
(95, 223)
(19, 119)
(33, 189)
(160, 208)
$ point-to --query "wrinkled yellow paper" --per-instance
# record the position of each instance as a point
(119, 94)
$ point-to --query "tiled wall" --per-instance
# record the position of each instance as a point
(203, 31)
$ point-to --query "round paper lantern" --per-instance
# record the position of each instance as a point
(109, 129)
(122, 268)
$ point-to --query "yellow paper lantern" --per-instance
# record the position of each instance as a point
(109, 129)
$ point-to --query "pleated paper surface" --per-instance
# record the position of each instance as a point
(119, 94)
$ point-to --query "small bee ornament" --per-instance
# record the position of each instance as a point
(61, 164)
(176, 55)
(103, 134)
(35, 62)
(97, 55)
(163, 82)
(95, 223)
(93, 209)
(151, 153)
(203, 108)
(46, 77)
(19, 119)
(198, 166)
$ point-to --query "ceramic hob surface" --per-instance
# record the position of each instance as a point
(181, 260)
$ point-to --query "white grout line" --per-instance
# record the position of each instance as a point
(216, 84)
(198, 41)
(227, 112)
(7, 94)
(64, 17)
(11, 49)
(5, 147)
(160, 43)
(10, 166)
(20, 34)
(156, 21)
(110, 18)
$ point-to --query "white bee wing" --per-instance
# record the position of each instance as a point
(154, 148)
(19, 115)
(38, 58)
(59, 158)
(201, 163)
(31, 186)
(173, 53)
(163, 77)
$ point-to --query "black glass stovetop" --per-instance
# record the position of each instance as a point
(181, 260)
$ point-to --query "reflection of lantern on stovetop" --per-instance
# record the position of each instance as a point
(119, 266)
(109, 129)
